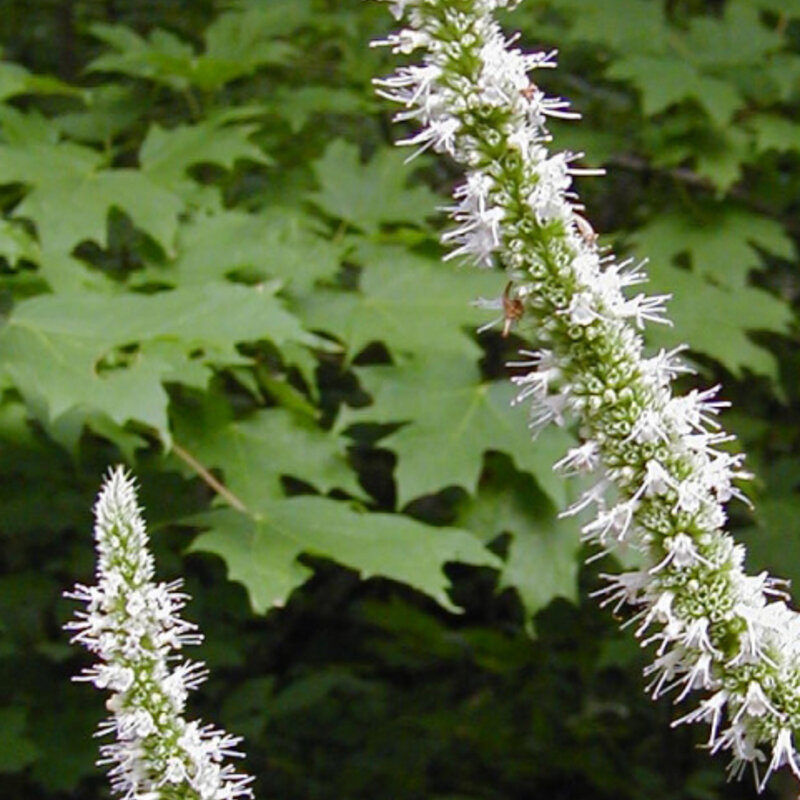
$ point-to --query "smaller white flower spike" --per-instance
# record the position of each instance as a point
(134, 628)
(659, 481)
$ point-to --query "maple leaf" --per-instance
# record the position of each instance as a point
(774, 132)
(369, 195)
(262, 552)
(664, 81)
(15, 80)
(453, 418)
(720, 331)
(275, 243)
(298, 104)
(165, 155)
(70, 196)
(16, 244)
(111, 354)
(110, 111)
(405, 300)
(256, 451)
(543, 555)
(737, 37)
(720, 241)
(237, 45)
(722, 156)
(621, 28)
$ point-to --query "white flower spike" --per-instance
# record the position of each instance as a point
(660, 483)
(133, 626)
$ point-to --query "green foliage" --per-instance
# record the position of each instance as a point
(214, 266)
(367, 196)
(395, 286)
(261, 550)
(441, 444)
(508, 502)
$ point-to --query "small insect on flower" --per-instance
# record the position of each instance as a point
(529, 92)
(586, 231)
(513, 309)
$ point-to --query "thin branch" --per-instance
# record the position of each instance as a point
(209, 479)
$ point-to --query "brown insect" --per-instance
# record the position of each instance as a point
(586, 231)
(529, 92)
(513, 309)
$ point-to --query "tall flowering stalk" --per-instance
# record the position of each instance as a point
(660, 481)
(133, 626)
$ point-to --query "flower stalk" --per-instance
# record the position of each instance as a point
(660, 479)
(133, 626)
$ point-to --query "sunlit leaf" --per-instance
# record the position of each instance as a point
(371, 194)
(274, 244)
(262, 552)
(720, 242)
(253, 454)
(90, 351)
(452, 418)
(165, 155)
(408, 301)
(720, 331)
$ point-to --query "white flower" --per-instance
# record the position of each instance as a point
(479, 234)
(756, 703)
(579, 460)
(710, 711)
(134, 627)
(661, 479)
(783, 753)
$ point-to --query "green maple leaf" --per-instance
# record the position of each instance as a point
(15, 80)
(16, 244)
(239, 42)
(721, 159)
(110, 110)
(273, 244)
(719, 241)
(68, 211)
(35, 137)
(31, 156)
(543, 559)
(232, 33)
(298, 105)
(667, 80)
(715, 320)
(407, 301)
(262, 552)
(253, 453)
(739, 37)
(453, 419)
(162, 56)
(70, 196)
(621, 26)
(63, 351)
(57, 374)
(369, 195)
(237, 45)
(783, 71)
(66, 273)
(165, 155)
(774, 133)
